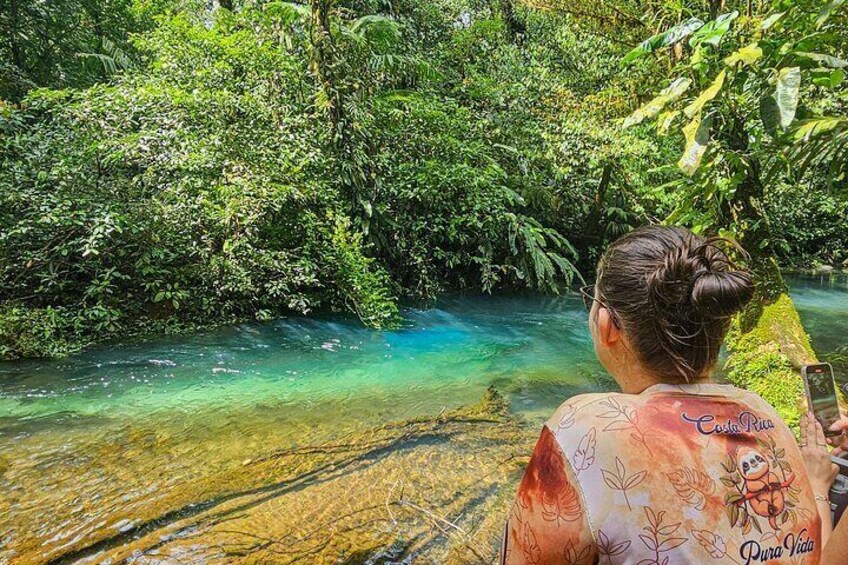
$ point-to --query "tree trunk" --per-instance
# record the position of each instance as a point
(506, 11)
(322, 63)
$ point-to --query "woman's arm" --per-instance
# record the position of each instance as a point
(821, 470)
(547, 523)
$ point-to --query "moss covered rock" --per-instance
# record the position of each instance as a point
(767, 358)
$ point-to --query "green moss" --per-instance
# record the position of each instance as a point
(767, 358)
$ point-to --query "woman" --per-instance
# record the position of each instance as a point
(675, 468)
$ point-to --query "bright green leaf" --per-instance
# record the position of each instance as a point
(713, 31)
(698, 104)
(697, 135)
(652, 108)
(771, 20)
(747, 55)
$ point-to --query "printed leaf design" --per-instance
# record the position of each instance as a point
(621, 481)
(532, 552)
(567, 419)
(563, 505)
(608, 548)
(584, 456)
(712, 543)
(573, 557)
(624, 418)
(655, 542)
(693, 486)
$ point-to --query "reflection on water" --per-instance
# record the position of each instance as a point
(128, 446)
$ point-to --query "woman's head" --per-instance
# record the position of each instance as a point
(670, 294)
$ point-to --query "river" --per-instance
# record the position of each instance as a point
(270, 443)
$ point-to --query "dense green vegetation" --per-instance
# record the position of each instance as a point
(166, 165)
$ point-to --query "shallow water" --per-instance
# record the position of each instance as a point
(122, 441)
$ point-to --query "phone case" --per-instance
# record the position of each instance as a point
(827, 432)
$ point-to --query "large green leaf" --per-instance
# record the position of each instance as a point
(828, 11)
(823, 60)
(664, 39)
(648, 46)
(682, 31)
(697, 135)
(829, 79)
(652, 108)
(713, 31)
(808, 129)
(771, 20)
(708, 94)
(769, 114)
(786, 94)
(747, 55)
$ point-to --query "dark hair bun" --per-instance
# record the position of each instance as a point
(699, 282)
(721, 294)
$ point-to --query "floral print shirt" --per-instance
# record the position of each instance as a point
(677, 474)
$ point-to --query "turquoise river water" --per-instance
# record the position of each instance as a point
(89, 441)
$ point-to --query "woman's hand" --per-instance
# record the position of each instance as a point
(820, 469)
(839, 442)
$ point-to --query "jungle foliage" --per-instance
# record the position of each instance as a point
(169, 164)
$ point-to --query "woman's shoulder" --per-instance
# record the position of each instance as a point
(587, 407)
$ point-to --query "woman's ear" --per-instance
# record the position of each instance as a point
(608, 331)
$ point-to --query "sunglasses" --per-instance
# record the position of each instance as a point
(587, 293)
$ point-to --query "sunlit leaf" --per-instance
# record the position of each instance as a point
(697, 135)
(827, 11)
(682, 31)
(771, 20)
(747, 55)
(708, 94)
(652, 108)
(823, 60)
(666, 119)
(786, 94)
(664, 39)
(811, 128)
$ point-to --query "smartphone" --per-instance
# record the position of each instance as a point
(821, 395)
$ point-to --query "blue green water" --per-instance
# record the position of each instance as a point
(822, 302)
(534, 349)
(119, 424)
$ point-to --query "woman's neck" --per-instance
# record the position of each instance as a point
(637, 380)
